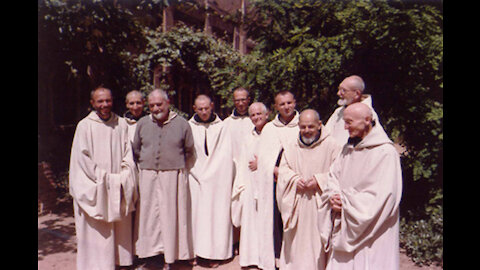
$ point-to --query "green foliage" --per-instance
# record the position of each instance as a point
(89, 39)
(209, 65)
(422, 238)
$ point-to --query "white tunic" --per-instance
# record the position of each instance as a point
(244, 202)
(239, 127)
(301, 245)
(210, 181)
(274, 135)
(103, 181)
(368, 178)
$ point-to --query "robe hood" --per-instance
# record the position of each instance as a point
(276, 121)
(128, 116)
(367, 100)
(235, 115)
(215, 121)
(94, 117)
(375, 137)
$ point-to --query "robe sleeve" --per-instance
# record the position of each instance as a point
(238, 187)
(370, 203)
(190, 154)
(287, 198)
(328, 183)
(136, 144)
(96, 191)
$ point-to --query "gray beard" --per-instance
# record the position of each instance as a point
(308, 141)
(159, 115)
(342, 102)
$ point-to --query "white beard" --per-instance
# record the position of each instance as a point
(159, 115)
(342, 102)
(308, 140)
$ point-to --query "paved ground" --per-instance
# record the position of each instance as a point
(57, 246)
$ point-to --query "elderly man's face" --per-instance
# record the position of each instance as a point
(258, 117)
(102, 103)
(285, 105)
(309, 126)
(203, 108)
(135, 105)
(159, 107)
(347, 93)
(241, 100)
(356, 123)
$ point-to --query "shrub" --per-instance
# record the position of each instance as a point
(423, 238)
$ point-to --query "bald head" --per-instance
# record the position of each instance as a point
(309, 114)
(358, 119)
(355, 82)
(134, 101)
(202, 98)
(203, 107)
(158, 92)
(359, 109)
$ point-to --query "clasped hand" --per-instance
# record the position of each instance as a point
(309, 184)
(336, 202)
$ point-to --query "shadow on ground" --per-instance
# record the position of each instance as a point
(58, 234)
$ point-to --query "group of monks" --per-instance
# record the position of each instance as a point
(292, 193)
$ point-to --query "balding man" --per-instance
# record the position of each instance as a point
(164, 151)
(298, 195)
(102, 182)
(350, 91)
(245, 193)
(239, 126)
(364, 188)
(134, 102)
(211, 180)
(275, 134)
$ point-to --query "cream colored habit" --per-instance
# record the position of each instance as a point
(274, 135)
(368, 178)
(301, 246)
(239, 128)
(103, 186)
(210, 181)
(244, 202)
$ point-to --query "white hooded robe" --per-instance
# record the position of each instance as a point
(244, 202)
(274, 135)
(103, 181)
(368, 177)
(301, 245)
(210, 182)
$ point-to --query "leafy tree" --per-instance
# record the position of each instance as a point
(192, 62)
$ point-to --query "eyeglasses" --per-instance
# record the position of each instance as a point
(240, 100)
(343, 90)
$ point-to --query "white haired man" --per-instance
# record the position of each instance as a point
(350, 91)
(164, 151)
(245, 193)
